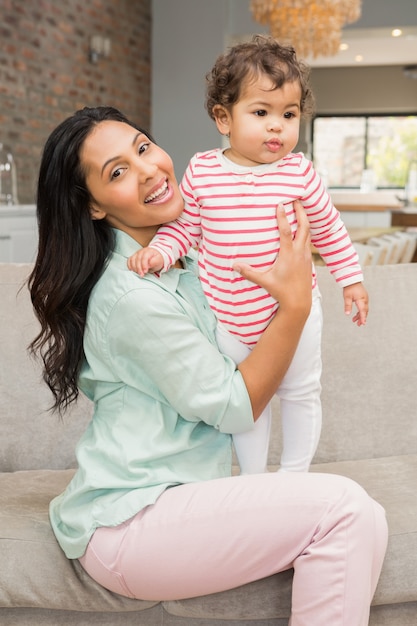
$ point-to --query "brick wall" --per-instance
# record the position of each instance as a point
(45, 72)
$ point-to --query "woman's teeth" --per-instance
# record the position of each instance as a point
(156, 194)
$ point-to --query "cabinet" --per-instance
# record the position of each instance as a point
(407, 217)
(366, 209)
(366, 219)
(18, 234)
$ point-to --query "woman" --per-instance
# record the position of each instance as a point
(153, 512)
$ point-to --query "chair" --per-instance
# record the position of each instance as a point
(399, 243)
(388, 250)
(365, 253)
(410, 245)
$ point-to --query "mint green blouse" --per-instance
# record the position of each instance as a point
(165, 399)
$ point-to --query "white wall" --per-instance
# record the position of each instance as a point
(187, 36)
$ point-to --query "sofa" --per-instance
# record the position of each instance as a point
(369, 434)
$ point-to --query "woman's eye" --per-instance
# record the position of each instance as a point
(143, 147)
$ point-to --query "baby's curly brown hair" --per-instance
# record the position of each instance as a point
(245, 61)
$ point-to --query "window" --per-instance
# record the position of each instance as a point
(345, 146)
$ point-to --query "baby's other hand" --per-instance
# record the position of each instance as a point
(356, 294)
(145, 260)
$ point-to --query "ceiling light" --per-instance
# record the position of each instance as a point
(397, 32)
(312, 27)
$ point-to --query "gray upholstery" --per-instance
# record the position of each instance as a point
(369, 433)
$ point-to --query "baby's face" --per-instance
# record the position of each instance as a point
(264, 124)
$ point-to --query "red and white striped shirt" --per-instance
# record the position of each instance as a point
(230, 215)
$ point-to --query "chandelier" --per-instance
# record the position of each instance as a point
(312, 27)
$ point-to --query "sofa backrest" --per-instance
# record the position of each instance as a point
(369, 382)
(369, 377)
(31, 437)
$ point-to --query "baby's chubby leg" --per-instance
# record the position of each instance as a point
(299, 394)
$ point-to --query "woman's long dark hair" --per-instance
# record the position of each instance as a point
(72, 252)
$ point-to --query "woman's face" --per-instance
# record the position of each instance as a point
(130, 179)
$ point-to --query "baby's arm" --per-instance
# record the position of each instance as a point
(357, 294)
(145, 260)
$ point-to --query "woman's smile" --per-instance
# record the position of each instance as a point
(160, 194)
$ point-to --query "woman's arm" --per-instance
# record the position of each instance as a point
(161, 341)
(289, 282)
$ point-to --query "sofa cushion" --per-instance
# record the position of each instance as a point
(392, 482)
(35, 573)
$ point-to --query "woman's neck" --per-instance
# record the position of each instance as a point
(145, 235)
(142, 236)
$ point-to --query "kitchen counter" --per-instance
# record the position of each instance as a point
(18, 233)
(356, 200)
(17, 210)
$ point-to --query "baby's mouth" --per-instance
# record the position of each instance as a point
(274, 144)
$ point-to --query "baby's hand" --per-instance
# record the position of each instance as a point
(357, 294)
(145, 260)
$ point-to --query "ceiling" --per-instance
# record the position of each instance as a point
(369, 37)
(373, 46)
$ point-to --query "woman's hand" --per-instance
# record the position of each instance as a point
(288, 280)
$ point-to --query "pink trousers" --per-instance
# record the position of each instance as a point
(205, 537)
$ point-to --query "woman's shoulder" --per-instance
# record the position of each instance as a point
(119, 287)
(114, 283)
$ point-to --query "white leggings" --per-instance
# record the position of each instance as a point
(299, 395)
(205, 537)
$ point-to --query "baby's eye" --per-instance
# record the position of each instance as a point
(289, 115)
(260, 113)
(116, 173)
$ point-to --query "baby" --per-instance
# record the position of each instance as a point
(256, 94)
